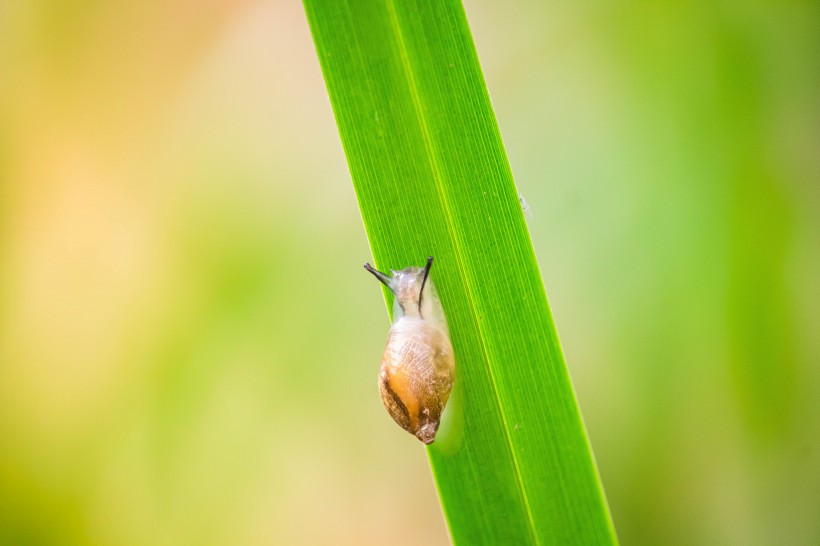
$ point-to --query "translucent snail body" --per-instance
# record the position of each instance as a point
(418, 367)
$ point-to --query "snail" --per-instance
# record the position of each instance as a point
(418, 366)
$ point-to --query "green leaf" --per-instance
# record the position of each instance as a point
(512, 462)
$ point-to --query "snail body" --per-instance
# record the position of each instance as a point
(418, 367)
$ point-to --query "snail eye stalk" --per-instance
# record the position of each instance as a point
(424, 281)
(385, 279)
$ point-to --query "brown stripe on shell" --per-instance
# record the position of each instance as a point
(395, 407)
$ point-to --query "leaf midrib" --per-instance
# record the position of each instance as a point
(437, 178)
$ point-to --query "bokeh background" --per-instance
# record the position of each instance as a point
(188, 343)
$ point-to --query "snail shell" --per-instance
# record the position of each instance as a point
(418, 367)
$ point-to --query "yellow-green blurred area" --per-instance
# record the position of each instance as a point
(189, 345)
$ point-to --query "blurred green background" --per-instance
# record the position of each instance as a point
(188, 343)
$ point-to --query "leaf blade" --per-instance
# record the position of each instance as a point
(512, 462)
